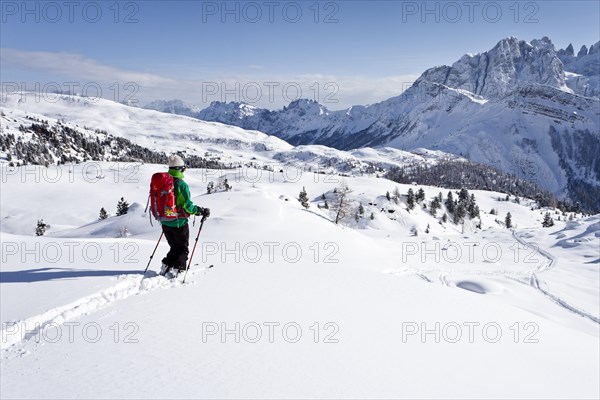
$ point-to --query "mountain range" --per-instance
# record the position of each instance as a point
(522, 107)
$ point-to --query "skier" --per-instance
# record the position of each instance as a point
(177, 231)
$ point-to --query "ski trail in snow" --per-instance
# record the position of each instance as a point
(423, 276)
(443, 279)
(529, 278)
(543, 266)
(24, 330)
(535, 283)
(410, 272)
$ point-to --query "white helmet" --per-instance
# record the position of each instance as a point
(175, 161)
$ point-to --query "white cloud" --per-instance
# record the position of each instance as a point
(75, 66)
(257, 88)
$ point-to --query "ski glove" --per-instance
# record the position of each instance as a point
(205, 212)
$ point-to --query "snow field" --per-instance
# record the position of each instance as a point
(351, 320)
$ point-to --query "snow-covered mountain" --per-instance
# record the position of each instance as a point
(69, 128)
(72, 129)
(521, 107)
(583, 75)
(173, 107)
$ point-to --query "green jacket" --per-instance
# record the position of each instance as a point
(182, 200)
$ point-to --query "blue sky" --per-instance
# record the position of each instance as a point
(266, 52)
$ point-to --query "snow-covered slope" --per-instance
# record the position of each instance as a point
(295, 305)
(151, 129)
(160, 132)
(516, 107)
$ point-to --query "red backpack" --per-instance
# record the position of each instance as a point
(162, 197)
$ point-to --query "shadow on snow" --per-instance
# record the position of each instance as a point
(50, 274)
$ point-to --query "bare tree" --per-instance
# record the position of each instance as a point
(396, 196)
(341, 205)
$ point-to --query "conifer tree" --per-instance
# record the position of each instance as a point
(410, 200)
(434, 205)
(303, 198)
(548, 221)
(40, 230)
(508, 220)
(459, 213)
(463, 196)
(122, 207)
(450, 202)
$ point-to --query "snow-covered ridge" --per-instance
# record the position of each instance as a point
(159, 131)
(515, 107)
(35, 138)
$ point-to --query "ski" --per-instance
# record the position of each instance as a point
(169, 274)
(186, 271)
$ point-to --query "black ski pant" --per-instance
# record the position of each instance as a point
(178, 239)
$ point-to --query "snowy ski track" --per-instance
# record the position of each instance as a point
(535, 283)
(528, 278)
(126, 287)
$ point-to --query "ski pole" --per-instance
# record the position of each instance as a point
(194, 249)
(156, 247)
